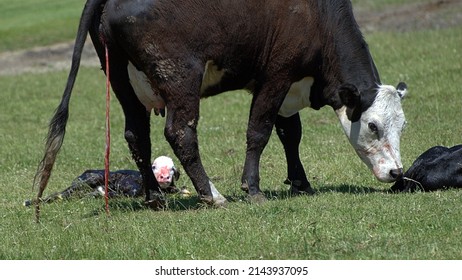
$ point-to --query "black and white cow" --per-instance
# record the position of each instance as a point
(290, 54)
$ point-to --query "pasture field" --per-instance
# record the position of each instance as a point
(28, 23)
(351, 217)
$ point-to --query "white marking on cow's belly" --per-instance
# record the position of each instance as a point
(297, 98)
(212, 75)
(143, 89)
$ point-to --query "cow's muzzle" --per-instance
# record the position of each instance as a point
(396, 174)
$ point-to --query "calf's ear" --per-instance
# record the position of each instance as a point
(350, 97)
(401, 88)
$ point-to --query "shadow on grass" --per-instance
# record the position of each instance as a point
(177, 203)
(349, 189)
(123, 205)
(281, 194)
(343, 188)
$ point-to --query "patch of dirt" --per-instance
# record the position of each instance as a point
(434, 14)
(429, 14)
(44, 59)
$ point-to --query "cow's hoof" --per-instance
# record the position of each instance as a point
(257, 198)
(158, 203)
(245, 187)
(304, 191)
(218, 202)
(297, 188)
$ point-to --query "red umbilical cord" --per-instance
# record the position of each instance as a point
(108, 133)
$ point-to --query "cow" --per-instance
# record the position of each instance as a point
(165, 55)
(438, 168)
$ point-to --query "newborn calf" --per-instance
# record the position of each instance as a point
(121, 183)
(437, 168)
(165, 172)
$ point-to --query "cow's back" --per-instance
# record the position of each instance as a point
(227, 32)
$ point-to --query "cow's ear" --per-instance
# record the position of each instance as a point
(350, 97)
(401, 88)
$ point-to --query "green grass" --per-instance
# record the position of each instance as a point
(350, 218)
(28, 23)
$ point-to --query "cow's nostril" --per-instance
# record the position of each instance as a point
(396, 173)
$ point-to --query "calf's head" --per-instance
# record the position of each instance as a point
(373, 122)
(164, 171)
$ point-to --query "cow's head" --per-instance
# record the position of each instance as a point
(373, 126)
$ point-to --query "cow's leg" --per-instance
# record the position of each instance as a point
(265, 105)
(137, 131)
(289, 131)
(137, 134)
(181, 132)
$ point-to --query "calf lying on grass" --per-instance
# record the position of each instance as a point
(121, 183)
(438, 168)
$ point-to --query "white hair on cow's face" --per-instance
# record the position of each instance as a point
(386, 101)
(376, 135)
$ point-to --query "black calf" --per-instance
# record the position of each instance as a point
(437, 168)
(122, 183)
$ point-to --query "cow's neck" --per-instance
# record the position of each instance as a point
(346, 56)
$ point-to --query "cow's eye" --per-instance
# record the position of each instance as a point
(373, 127)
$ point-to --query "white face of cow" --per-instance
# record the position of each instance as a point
(375, 136)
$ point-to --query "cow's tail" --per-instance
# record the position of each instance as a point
(57, 126)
